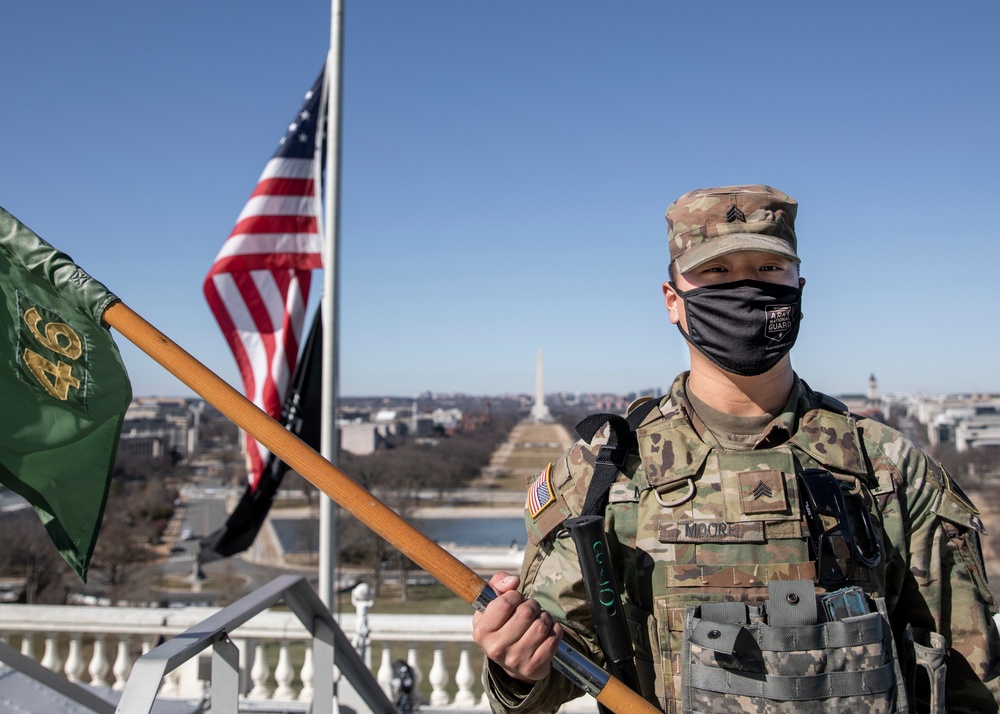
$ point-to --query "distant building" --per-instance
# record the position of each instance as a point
(970, 421)
(941, 429)
(423, 426)
(611, 403)
(363, 438)
(159, 429)
(446, 419)
(980, 430)
(364, 432)
(867, 405)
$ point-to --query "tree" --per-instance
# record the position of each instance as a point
(134, 518)
(972, 467)
(121, 553)
(359, 544)
(28, 553)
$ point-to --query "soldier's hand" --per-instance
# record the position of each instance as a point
(515, 633)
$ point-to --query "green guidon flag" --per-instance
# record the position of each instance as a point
(63, 390)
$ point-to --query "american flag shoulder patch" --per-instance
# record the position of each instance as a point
(540, 495)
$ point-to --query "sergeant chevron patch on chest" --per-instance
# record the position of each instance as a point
(763, 492)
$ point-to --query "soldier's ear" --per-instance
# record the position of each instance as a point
(670, 299)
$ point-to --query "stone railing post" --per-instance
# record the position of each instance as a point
(73, 669)
(260, 674)
(122, 665)
(438, 679)
(465, 678)
(28, 644)
(99, 665)
(384, 674)
(308, 675)
(50, 658)
(418, 674)
(284, 674)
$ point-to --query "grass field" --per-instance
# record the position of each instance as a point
(423, 600)
(535, 459)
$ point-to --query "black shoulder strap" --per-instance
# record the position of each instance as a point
(611, 457)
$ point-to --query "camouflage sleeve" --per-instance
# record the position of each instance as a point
(507, 696)
(940, 586)
(550, 573)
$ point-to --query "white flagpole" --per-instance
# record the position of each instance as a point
(329, 442)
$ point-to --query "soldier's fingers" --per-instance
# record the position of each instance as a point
(540, 661)
(527, 615)
(530, 658)
(510, 623)
(496, 615)
(502, 582)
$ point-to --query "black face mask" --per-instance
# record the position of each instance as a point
(744, 327)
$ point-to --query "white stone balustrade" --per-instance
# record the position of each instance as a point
(99, 645)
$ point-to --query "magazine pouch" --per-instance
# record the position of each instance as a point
(790, 658)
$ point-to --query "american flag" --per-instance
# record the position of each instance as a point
(259, 284)
(540, 493)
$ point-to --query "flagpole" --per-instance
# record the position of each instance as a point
(439, 563)
(329, 442)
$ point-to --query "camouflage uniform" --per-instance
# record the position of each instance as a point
(690, 523)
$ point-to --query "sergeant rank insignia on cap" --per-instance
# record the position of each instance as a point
(734, 214)
(540, 495)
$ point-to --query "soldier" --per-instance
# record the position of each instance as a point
(774, 551)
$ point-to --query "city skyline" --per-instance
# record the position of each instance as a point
(444, 394)
(506, 169)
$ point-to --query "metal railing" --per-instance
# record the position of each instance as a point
(150, 669)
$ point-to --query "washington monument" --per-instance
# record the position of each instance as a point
(539, 412)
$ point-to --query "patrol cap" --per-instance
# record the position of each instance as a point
(708, 222)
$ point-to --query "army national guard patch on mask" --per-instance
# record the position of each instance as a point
(779, 321)
(540, 495)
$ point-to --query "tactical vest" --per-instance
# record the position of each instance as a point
(721, 591)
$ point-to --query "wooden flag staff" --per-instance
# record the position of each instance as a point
(446, 568)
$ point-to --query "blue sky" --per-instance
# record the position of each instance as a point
(506, 167)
